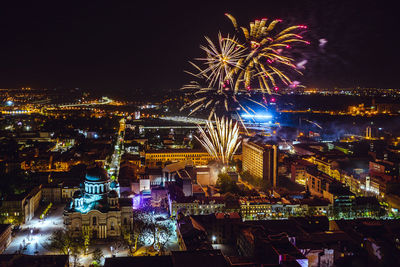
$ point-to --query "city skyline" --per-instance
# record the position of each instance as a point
(184, 134)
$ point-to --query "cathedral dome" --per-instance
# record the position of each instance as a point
(96, 174)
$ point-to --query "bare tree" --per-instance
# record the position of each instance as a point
(64, 243)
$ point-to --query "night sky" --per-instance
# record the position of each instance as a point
(122, 46)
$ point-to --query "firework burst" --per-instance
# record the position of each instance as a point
(222, 140)
(220, 61)
(268, 57)
(213, 91)
(236, 70)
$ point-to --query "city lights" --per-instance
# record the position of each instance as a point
(177, 135)
(257, 116)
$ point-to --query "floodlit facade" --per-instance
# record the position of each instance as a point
(97, 208)
(198, 157)
(21, 208)
(261, 160)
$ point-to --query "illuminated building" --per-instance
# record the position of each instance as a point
(261, 160)
(371, 132)
(97, 208)
(68, 190)
(198, 157)
(255, 208)
(258, 208)
(330, 166)
(318, 183)
(21, 208)
(196, 206)
(298, 171)
(5, 236)
(263, 208)
(51, 193)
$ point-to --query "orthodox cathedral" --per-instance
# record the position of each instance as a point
(97, 208)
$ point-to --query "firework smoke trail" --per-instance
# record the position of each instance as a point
(222, 140)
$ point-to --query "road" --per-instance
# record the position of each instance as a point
(104, 101)
(35, 233)
(113, 167)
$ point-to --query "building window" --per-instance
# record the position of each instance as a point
(94, 221)
(112, 225)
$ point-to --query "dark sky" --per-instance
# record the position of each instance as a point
(121, 46)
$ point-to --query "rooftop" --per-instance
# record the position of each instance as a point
(96, 174)
(177, 150)
(143, 261)
(17, 260)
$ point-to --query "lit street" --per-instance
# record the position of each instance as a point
(31, 237)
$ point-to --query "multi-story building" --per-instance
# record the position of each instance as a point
(298, 171)
(331, 167)
(67, 191)
(52, 193)
(198, 157)
(318, 182)
(256, 208)
(21, 208)
(5, 236)
(261, 160)
(262, 208)
(221, 227)
(97, 208)
(253, 242)
(196, 206)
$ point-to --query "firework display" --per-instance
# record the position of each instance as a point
(222, 140)
(220, 61)
(268, 55)
(239, 67)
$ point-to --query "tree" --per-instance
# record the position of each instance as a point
(86, 239)
(64, 243)
(263, 184)
(131, 237)
(226, 184)
(97, 256)
(150, 228)
(164, 233)
(134, 236)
